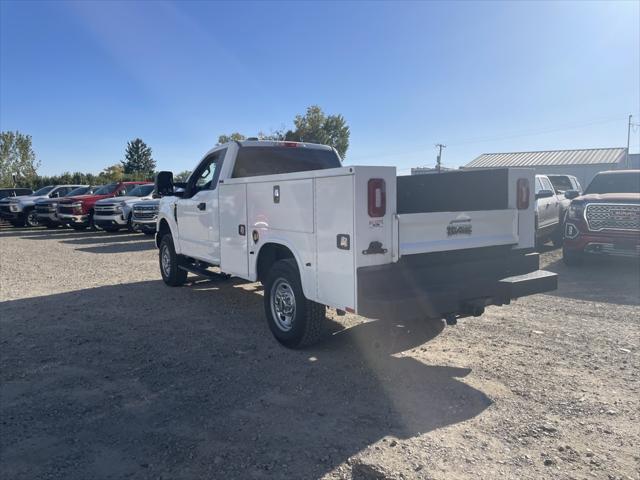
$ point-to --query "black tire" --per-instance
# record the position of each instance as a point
(129, 224)
(558, 236)
(172, 275)
(31, 218)
(306, 321)
(572, 258)
(92, 223)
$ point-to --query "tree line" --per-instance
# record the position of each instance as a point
(19, 165)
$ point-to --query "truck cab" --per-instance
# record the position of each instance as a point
(354, 238)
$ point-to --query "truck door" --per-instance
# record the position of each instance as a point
(542, 205)
(197, 212)
(234, 257)
(553, 203)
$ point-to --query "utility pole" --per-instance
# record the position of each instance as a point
(626, 162)
(440, 146)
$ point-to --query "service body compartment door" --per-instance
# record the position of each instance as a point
(336, 245)
(233, 230)
(444, 231)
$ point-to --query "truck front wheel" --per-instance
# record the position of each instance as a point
(172, 274)
(31, 218)
(294, 320)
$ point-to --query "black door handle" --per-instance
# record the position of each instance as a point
(202, 206)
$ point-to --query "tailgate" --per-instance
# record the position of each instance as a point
(442, 231)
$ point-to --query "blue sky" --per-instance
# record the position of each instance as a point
(84, 77)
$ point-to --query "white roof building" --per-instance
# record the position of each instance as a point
(583, 164)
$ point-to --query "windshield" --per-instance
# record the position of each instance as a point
(43, 190)
(141, 191)
(628, 182)
(107, 189)
(560, 183)
(253, 161)
(78, 191)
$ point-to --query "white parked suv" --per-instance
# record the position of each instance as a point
(354, 238)
(21, 211)
(112, 214)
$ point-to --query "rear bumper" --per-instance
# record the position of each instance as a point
(460, 287)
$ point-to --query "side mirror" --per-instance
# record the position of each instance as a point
(544, 194)
(571, 194)
(164, 184)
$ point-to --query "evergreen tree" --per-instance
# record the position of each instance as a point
(138, 159)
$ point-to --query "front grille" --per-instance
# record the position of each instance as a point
(44, 209)
(145, 213)
(109, 209)
(68, 210)
(602, 216)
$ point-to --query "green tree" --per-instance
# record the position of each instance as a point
(138, 159)
(112, 173)
(234, 137)
(182, 176)
(316, 127)
(17, 158)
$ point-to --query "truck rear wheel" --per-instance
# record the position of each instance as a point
(172, 274)
(294, 320)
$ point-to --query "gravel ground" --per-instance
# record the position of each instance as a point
(107, 373)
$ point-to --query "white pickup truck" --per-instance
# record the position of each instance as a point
(354, 238)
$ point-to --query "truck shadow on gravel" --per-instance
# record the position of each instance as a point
(609, 280)
(145, 381)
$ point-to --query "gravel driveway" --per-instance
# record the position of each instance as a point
(107, 373)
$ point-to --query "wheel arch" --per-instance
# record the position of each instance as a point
(163, 229)
(270, 253)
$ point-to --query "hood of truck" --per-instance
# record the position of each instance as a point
(128, 200)
(23, 198)
(610, 198)
(49, 201)
(84, 198)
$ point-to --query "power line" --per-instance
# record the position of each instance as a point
(471, 141)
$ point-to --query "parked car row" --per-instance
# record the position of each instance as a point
(109, 207)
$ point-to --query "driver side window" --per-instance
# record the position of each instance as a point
(205, 177)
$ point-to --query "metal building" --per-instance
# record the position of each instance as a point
(584, 164)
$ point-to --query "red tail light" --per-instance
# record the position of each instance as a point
(523, 194)
(377, 197)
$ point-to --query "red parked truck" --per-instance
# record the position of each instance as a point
(77, 211)
(605, 220)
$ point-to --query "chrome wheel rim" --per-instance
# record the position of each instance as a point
(165, 261)
(32, 219)
(283, 304)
